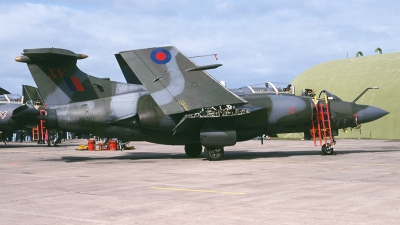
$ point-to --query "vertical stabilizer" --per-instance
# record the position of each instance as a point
(30, 94)
(60, 81)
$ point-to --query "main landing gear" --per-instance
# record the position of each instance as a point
(214, 153)
(211, 153)
(193, 150)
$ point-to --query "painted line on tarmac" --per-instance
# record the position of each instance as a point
(199, 190)
(49, 215)
(356, 172)
(326, 163)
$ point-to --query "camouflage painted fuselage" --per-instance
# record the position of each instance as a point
(172, 101)
(136, 117)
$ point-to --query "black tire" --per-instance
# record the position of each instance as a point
(193, 150)
(214, 154)
(327, 149)
(51, 143)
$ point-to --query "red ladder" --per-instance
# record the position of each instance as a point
(40, 132)
(321, 123)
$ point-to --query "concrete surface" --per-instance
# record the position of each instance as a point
(280, 182)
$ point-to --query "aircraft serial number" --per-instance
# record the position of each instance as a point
(86, 119)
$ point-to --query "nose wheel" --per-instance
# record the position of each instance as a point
(327, 149)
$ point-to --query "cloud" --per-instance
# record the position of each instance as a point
(255, 40)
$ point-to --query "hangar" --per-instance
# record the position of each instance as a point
(347, 78)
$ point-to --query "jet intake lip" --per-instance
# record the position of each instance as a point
(370, 113)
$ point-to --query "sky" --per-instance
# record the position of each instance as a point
(256, 40)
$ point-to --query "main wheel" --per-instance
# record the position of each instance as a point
(327, 149)
(214, 154)
(193, 150)
(51, 143)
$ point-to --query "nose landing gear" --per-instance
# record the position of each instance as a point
(327, 149)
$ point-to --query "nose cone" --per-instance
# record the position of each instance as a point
(370, 113)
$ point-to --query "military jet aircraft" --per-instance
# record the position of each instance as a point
(174, 101)
(14, 114)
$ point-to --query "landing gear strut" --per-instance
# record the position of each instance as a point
(193, 150)
(214, 154)
(122, 145)
(327, 149)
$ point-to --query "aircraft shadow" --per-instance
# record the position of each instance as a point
(244, 154)
(32, 145)
(16, 145)
(229, 155)
(130, 156)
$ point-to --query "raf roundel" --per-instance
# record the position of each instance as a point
(160, 56)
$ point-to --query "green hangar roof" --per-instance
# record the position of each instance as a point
(347, 78)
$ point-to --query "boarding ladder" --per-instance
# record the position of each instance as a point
(321, 123)
(40, 133)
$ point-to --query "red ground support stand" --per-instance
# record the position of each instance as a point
(91, 145)
(110, 145)
(113, 145)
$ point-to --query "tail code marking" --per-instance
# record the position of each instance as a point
(56, 73)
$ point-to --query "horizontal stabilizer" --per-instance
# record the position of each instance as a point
(163, 72)
(40, 54)
(3, 91)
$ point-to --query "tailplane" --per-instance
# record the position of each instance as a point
(4, 91)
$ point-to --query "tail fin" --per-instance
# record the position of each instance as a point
(175, 82)
(30, 94)
(60, 81)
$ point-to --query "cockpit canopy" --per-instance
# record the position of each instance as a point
(10, 98)
(329, 95)
(266, 88)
